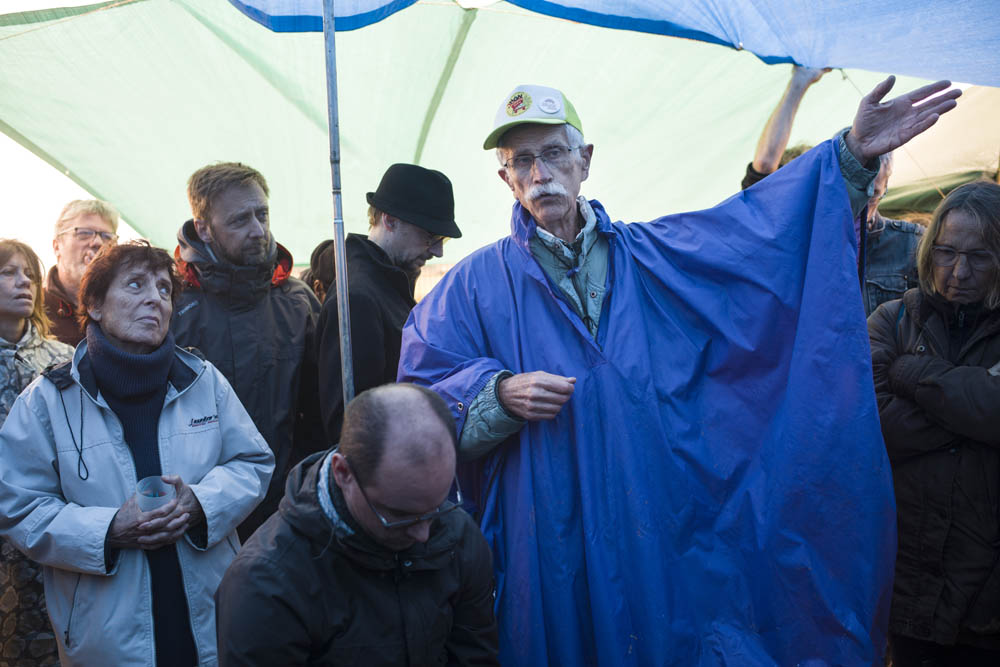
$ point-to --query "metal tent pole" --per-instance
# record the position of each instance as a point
(343, 307)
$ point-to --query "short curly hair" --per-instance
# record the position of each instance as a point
(111, 261)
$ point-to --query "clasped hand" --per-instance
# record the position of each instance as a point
(535, 396)
(134, 529)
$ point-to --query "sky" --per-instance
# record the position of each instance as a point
(34, 193)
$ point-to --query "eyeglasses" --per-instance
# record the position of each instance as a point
(445, 507)
(86, 234)
(433, 239)
(556, 157)
(979, 260)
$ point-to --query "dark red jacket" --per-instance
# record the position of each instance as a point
(61, 311)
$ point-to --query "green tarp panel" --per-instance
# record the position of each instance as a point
(129, 98)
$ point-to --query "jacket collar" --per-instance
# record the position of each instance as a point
(303, 508)
(522, 225)
(926, 306)
(54, 290)
(184, 370)
(198, 268)
(359, 247)
(29, 339)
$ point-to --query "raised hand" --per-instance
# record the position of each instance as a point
(535, 396)
(880, 127)
(808, 75)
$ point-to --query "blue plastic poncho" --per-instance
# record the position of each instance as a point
(716, 492)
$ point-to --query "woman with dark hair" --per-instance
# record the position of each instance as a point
(26, 347)
(123, 585)
(25, 351)
(936, 359)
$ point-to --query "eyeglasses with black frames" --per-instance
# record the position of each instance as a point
(979, 260)
(86, 234)
(444, 508)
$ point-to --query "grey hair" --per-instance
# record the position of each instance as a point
(574, 138)
(80, 207)
(885, 160)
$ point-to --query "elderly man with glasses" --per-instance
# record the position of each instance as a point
(369, 560)
(83, 228)
(671, 425)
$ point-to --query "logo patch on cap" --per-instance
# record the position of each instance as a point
(518, 103)
(550, 105)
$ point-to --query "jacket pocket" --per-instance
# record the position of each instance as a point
(983, 617)
(880, 289)
(67, 636)
(234, 542)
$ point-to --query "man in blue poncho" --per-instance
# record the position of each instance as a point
(671, 426)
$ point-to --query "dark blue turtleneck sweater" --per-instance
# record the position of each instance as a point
(134, 385)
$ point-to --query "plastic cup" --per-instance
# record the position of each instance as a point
(153, 492)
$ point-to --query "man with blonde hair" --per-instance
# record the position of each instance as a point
(83, 228)
(243, 309)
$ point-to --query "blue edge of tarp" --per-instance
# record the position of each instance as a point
(313, 23)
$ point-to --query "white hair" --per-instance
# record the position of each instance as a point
(574, 138)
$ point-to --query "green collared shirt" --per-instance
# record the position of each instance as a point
(579, 268)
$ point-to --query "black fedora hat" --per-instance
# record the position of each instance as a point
(421, 197)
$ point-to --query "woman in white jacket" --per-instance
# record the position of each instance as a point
(126, 587)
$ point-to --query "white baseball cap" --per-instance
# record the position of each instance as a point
(532, 104)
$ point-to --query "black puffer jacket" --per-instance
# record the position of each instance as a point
(937, 380)
(308, 590)
(381, 297)
(257, 325)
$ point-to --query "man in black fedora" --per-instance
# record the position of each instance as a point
(410, 216)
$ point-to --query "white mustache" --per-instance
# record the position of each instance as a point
(550, 188)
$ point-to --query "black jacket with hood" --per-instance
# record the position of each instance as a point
(311, 588)
(257, 325)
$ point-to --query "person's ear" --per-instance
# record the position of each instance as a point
(342, 474)
(505, 177)
(391, 222)
(587, 154)
(203, 230)
(319, 290)
(95, 313)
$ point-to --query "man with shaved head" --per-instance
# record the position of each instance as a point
(367, 561)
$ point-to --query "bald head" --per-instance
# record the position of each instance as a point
(396, 461)
(408, 424)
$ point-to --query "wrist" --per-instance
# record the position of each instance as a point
(854, 146)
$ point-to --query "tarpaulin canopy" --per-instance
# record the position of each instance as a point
(130, 97)
(926, 38)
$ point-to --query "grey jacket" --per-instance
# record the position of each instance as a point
(65, 470)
